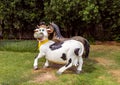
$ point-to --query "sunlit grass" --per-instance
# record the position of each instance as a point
(15, 67)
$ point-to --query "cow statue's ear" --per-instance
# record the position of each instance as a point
(38, 26)
(50, 29)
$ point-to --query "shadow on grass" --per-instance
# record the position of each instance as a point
(89, 66)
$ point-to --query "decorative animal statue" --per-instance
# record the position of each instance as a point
(68, 52)
(55, 35)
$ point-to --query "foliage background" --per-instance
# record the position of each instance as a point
(92, 19)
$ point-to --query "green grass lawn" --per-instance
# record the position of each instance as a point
(16, 66)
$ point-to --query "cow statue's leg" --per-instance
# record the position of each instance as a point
(79, 69)
(68, 65)
(36, 61)
(46, 64)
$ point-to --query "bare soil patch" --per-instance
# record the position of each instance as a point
(107, 43)
(43, 77)
(105, 62)
(46, 74)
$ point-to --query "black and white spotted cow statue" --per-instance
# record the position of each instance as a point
(68, 52)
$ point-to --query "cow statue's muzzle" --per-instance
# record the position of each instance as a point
(38, 35)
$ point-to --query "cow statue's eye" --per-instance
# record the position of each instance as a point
(42, 29)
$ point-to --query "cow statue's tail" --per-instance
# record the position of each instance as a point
(87, 48)
(85, 43)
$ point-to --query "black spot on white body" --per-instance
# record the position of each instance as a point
(64, 56)
(76, 51)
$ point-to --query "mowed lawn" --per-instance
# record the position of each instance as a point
(16, 66)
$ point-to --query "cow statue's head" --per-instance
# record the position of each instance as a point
(41, 32)
(52, 31)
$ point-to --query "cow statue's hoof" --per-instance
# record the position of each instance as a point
(45, 66)
(35, 67)
(59, 73)
(78, 71)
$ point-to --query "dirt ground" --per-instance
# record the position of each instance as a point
(46, 74)
(107, 43)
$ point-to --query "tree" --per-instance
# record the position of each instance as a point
(93, 19)
(73, 15)
(96, 18)
(109, 17)
(19, 15)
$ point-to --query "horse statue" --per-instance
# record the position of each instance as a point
(55, 34)
(68, 52)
